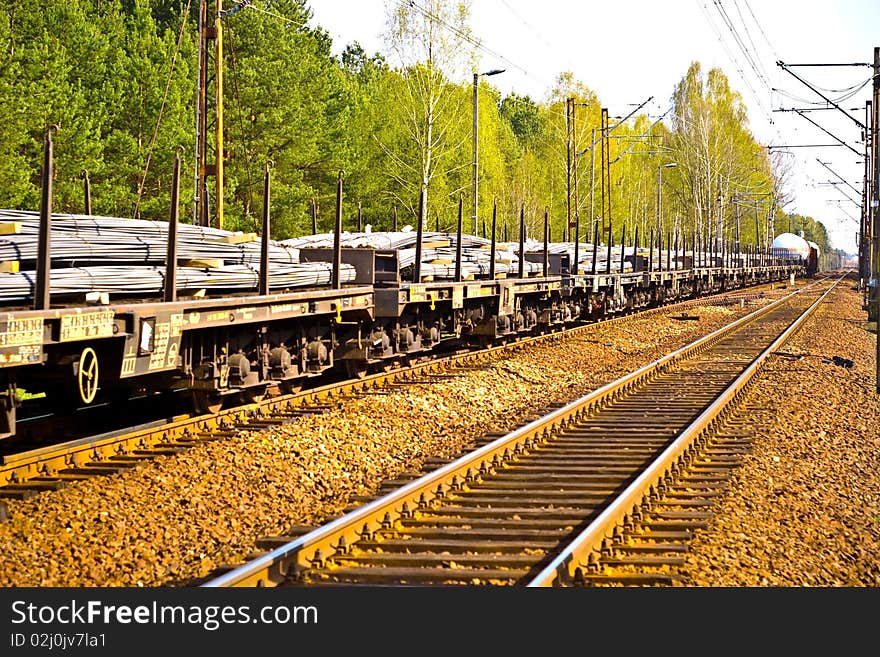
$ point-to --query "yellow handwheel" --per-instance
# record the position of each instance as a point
(87, 375)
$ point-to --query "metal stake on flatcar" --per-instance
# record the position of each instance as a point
(492, 247)
(684, 250)
(659, 249)
(546, 261)
(87, 192)
(314, 217)
(337, 233)
(608, 255)
(676, 251)
(417, 265)
(522, 240)
(595, 247)
(44, 262)
(635, 247)
(171, 253)
(264, 237)
(458, 241)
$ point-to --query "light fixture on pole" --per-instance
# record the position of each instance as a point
(660, 168)
(474, 174)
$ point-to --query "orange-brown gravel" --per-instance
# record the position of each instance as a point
(804, 508)
(175, 519)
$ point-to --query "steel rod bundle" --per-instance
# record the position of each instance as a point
(132, 281)
(127, 257)
(81, 239)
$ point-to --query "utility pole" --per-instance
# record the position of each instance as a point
(577, 202)
(771, 221)
(719, 223)
(204, 169)
(864, 237)
(736, 229)
(592, 182)
(757, 229)
(475, 173)
(875, 202)
(569, 109)
(606, 175)
(476, 145)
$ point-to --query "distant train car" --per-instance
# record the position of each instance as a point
(795, 248)
(813, 260)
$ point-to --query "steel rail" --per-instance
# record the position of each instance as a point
(312, 548)
(563, 568)
(18, 469)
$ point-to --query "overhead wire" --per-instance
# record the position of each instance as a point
(747, 54)
(476, 43)
(749, 37)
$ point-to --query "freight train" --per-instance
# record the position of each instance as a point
(96, 309)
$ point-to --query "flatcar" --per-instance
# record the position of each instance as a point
(96, 309)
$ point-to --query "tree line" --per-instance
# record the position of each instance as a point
(115, 80)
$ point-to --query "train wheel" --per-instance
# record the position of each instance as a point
(87, 375)
(206, 401)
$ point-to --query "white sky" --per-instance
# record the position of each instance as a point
(630, 50)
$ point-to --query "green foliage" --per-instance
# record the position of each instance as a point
(118, 80)
(524, 117)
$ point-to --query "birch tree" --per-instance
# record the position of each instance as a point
(430, 41)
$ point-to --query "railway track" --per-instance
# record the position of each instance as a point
(54, 466)
(606, 490)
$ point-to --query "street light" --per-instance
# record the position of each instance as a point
(659, 172)
(494, 71)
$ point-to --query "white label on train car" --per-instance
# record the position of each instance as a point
(246, 313)
(23, 354)
(89, 324)
(160, 346)
(281, 309)
(21, 332)
(457, 296)
(176, 324)
(417, 293)
(475, 291)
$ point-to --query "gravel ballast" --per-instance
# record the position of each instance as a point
(173, 520)
(804, 508)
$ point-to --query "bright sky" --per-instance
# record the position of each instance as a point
(630, 50)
